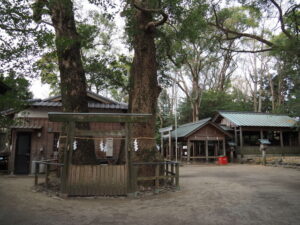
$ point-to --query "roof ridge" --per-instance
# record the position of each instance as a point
(251, 112)
(196, 122)
(91, 93)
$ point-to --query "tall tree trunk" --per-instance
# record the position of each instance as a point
(272, 91)
(144, 88)
(72, 76)
(226, 63)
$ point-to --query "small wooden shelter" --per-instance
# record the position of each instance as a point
(248, 127)
(201, 140)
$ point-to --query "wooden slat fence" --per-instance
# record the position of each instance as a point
(167, 171)
(89, 180)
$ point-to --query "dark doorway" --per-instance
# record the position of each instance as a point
(22, 158)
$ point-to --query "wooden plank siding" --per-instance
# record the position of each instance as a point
(207, 132)
(93, 180)
(42, 147)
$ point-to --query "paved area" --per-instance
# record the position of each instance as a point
(235, 194)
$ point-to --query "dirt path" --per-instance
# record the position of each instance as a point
(237, 194)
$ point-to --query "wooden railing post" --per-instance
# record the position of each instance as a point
(172, 171)
(36, 173)
(177, 175)
(167, 171)
(157, 178)
(47, 175)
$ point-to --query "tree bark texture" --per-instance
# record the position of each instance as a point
(72, 76)
(144, 88)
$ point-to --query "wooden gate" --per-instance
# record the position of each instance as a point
(88, 180)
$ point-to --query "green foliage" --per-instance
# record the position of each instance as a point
(239, 18)
(18, 35)
(213, 101)
(16, 98)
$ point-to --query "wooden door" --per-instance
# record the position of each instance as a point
(22, 157)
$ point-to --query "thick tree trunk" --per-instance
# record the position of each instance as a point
(144, 88)
(72, 76)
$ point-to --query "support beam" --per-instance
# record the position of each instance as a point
(189, 151)
(206, 150)
(281, 138)
(261, 134)
(235, 136)
(241, 137)
(193, 149)
(99, 117)
(162, 145)
(224, 147)
(170, 146)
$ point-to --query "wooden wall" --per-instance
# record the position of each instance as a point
(89, 180)
(208, 132)
(42, 147)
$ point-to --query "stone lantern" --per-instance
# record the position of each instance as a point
(263, 148)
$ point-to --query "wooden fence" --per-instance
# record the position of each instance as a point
(165, 174)
(88, 180)
(286, 150)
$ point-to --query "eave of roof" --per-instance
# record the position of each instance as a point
(90, 104)
(253, 119)
(188, 128)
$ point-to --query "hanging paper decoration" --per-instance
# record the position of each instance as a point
(102, 147)
(57, 145)
(135, 145)
(74, 145)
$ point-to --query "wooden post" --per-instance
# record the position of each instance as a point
(157, 179)
(261, 134)
(47, 176)
(162, 145)
(167, 171)
(235, 136)
(224, 147)
(193, 151)
(177, 176)
(281, 139)
(189, 151)
(241, 138)
(170, 146)
(206, 150)
(36, 174)
(231, 154)
(68, 151)
(131, 178)
(173, 172)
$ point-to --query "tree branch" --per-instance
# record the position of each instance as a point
(248, 51)
(152, 23)
(281, 18)
(238, 34)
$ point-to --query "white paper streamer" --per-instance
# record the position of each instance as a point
(74, 145)
(135, 145)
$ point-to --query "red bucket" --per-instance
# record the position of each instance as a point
(222, 160)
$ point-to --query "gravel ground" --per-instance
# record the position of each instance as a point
(234, 194)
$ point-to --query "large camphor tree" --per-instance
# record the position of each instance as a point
(144, 88)
(72, 76)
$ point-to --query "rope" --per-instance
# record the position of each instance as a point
(120, 138)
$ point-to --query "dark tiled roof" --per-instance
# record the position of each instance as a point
(91, 105)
